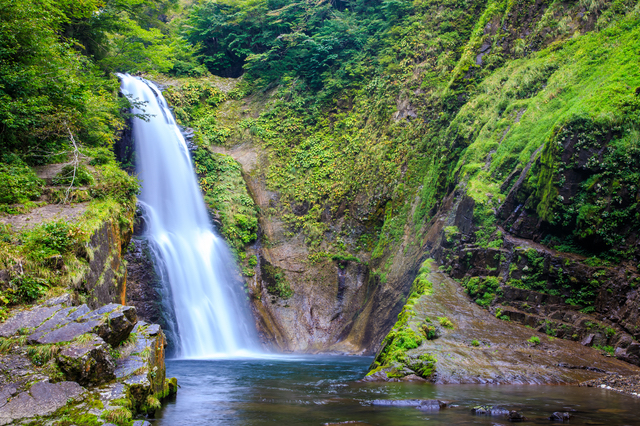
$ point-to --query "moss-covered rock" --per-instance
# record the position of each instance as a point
(108, 381)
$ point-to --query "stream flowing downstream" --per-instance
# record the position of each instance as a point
(318, 390)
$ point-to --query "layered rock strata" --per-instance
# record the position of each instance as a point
(60, 361)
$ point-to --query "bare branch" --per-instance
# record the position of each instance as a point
(76, 153)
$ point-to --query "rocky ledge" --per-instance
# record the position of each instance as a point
(629, 385)
(443, 337)
(62, 364)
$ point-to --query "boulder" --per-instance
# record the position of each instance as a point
(514, 416)
(27, 319)
(87, 362)
(113, 323)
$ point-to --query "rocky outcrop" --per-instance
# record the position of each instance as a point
(93, 365)
(42, 399)
(87, 362)
(99, 276)
(105, 278)
(327, 294)
(445, 338)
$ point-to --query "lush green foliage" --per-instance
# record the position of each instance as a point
(56, 60)
(194, 104)
(46, 256)
(414, 99)
(18, 182)
(482, 289)
(276, 281)
(226, 194)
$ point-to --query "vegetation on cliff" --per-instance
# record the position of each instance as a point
(379, 116)
(387, 106)
(409, 333)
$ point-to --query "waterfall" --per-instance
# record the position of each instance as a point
(199, 273)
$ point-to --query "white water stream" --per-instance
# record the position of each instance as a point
(207, 299)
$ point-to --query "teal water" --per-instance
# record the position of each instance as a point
(316, 390)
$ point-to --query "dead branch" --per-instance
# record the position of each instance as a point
(76, 153)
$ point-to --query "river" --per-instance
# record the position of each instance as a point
(318, 390)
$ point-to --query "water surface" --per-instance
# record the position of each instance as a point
(314, 390)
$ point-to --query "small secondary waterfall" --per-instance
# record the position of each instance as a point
(211, 316)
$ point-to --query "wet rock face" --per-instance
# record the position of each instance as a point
(144, 289)
(104, 355)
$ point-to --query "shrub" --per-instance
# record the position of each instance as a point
(50, 239)
(534, 340)
(19, 183)
(78, 176)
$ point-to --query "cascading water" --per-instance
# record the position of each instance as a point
(211, 317)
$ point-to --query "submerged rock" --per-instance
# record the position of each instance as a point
(420, 404)
(514, 416)
(432, 405)
(397, 402)
(488, 410)
(560, 417)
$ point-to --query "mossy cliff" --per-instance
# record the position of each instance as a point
(469, 132)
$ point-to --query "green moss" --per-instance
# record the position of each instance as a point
(482, 289)
(451, 233)
(121, 416)
(408, 334)
(226, 194)
(276, 281)
(534, 340)
(75, 413)
(445, 322)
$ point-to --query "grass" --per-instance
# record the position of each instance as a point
(51, 254)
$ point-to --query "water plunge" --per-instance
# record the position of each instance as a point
(198, 271)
